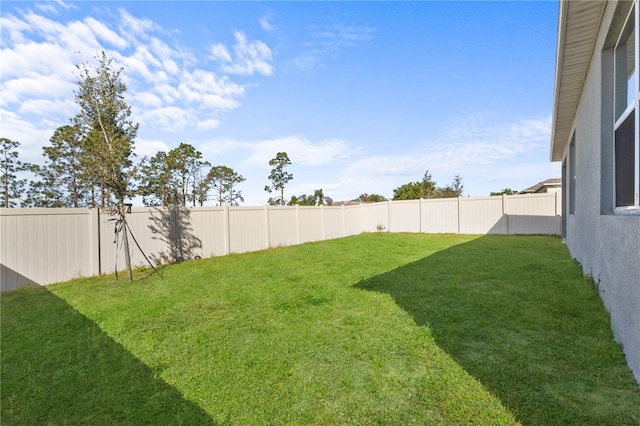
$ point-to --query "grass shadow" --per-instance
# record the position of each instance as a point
(517, 314)
(68, 371)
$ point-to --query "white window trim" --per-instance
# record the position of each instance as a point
(635, 107)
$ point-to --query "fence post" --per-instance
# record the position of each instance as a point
(297, 224)
(459, 215)
(227, 230)
(322, 221)
(266, 226)
(94, 232)
(504, 211)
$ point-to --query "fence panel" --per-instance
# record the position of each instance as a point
(439, 216)
(283, 226)
(373, 215)
(404, 216)
(311, 224)
(248, 229)
(482, 215)
(352, 221)
(210, 228)
(531, 205)
(333, 221)
(527, 225)
(45, 245)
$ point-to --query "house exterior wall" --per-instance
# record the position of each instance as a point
(606, 243)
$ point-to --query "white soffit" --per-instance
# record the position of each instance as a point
(578, 25)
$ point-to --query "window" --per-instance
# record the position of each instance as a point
(626, 115)
(572, 175)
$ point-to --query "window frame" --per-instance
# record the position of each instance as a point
(623, 109)
(571, 175)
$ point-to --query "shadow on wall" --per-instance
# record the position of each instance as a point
(510, 224)
(172, 225)
(10, 279)
(515, 313)
(66, 370)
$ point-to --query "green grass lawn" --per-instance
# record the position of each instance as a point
(391, 329)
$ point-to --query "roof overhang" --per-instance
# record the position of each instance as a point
(578, 26)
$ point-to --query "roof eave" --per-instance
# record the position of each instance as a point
(578, 26)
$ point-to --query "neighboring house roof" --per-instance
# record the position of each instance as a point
(543, 186)
(578, 25)
(346, 203)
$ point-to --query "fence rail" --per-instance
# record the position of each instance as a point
(42, 246)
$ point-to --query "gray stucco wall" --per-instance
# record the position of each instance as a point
(606, 244)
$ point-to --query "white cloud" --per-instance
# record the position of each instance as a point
(344, 35)
(168, 119)
(479, 148)
(330, 41)
(31, 135)
(167, 86)
(248, 57)
(265, 23)
(65, 109)
(209, 124)
(106, 34)
(136, 26)
(209, 91)
(38, 86)
(31, 58)
(308, 60)
(149, 148)
(148, 100)
(299, 149)
(54, 7)
(220, 53)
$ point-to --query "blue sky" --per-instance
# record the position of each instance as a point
(363, 96)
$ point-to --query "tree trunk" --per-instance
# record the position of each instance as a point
(127, 254)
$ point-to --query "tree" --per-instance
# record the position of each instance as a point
(223, 180)
(426, 188)
(93, 171)
(278, 177)
(506, 191)
(173, 178)
(369, 198)
(408, 191)
(185, 163)
(317, 199)
(457, 185)
(302, 200)
(155, 181)
(321, 199)
(61, 180)
(109, 134)
(104, 121)
(450, 191)
(200, 187)
(43, 192)
(12, 187)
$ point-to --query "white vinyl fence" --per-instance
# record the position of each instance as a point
(42, 246)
